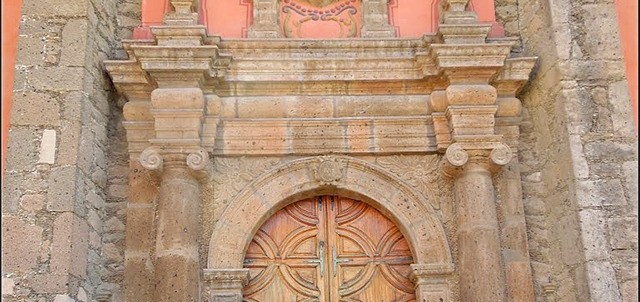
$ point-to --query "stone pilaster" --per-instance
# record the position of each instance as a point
(177, 267)
(474, 152)
(164, 117)
(513, 237)
(480, 265)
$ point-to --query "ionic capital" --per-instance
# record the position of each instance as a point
(492, 155)
(195, 159)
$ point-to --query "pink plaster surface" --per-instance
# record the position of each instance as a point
(628, 27)
(229, 18)
(232, 18)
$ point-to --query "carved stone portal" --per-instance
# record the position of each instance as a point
(234, 131)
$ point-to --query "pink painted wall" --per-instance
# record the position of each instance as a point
(232, 18)
(628, 27)
(10, 27)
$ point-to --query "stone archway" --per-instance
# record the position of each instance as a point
(341, 175)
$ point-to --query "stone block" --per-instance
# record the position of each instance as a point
(22, 149)
(602, 282)
(62, 189)
(118, 190)
(11, 191)
(48, 283)
(611, 150)
(113, 225)
(34, 108)
(630, 171)
(596, 193)
(262, 107)
(579, 109)
(623, 233)
(63, 298)
(72, 105)
(621, 111)
(56, 7)
(74, 43)
(94, 220)
(69, 246)
(111, 253)
(33, 202)
(597, 70)
(569, 235)
(20, 244)
(48, 147)
(69, 143)
(629, 290)
(30, 51)
(7, 286)
(594, 238)
(57, 78)
(602, 41)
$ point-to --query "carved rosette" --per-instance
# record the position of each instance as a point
(495, 154)
(328, 170)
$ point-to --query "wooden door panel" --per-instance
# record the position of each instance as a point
(284, 256)
(372, 257)
(329, 249)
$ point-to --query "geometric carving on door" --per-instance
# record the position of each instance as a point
(329, 248)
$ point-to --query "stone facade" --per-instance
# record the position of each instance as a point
(138, 170)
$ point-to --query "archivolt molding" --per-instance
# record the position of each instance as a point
(297, 179)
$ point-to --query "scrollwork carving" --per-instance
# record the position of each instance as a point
(151, 159)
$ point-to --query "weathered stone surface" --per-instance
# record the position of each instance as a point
(74, 43)
(7, 286)
(61, 196)
(69, 246)
(600, 192)
(20, 244)
(33, 202)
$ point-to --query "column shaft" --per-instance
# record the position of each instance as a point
(481, 271)
(177, 260)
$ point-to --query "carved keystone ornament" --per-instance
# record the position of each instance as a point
(328, 171)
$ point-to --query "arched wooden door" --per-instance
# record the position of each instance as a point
(326, 249)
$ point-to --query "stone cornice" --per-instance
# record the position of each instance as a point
(221, 64)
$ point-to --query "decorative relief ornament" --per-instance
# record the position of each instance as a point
(233, 174)
(199, 163)
(198, 160)
(456, 155)
(151, 159)
(501, 154)
(328, 171)
(320, 18)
